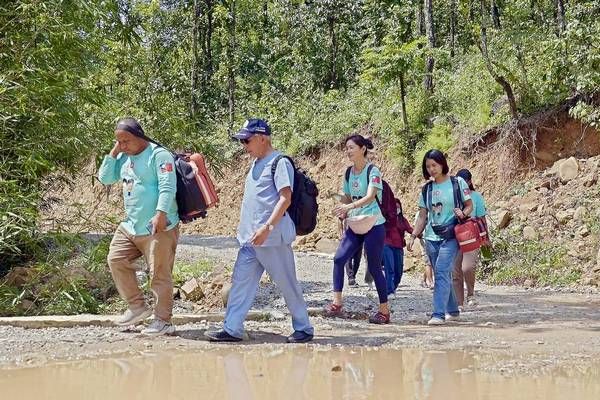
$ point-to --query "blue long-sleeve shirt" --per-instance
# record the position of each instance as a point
(149, 185)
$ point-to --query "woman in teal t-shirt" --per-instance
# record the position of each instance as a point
(438, 207)
(465, 263)
(363, 187)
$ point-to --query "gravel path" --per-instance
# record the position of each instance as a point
(519, 330)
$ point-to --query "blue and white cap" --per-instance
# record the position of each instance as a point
(252, 127)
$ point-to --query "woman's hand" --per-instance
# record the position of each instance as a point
(410, 243)
(459, 213)
(341, 210)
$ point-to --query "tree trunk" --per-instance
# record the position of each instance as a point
(498, 78)
(495, 14)
(231, 48)
(333, 52)
(561, 23)
(195, 61)
(403, 101)
(452, 26)
(430, 30)
(420, 17)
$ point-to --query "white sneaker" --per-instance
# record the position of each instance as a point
(451, 318)
(391, 296)
(133, 317)
(159, 327)
(436, 321)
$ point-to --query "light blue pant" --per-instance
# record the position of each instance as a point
(442, 254)
(279, 263)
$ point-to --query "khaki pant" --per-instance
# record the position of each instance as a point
(464, 274)
(159, 252)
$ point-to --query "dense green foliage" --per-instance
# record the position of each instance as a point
(193, 70)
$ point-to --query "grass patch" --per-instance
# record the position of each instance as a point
(182, 272)
(70, 277)
(515, 261)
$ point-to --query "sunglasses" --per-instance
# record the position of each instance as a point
(244, 141)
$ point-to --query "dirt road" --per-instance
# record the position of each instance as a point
(513, 329)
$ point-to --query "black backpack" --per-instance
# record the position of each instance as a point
(304, 207)
(387, 205)
(195, 191)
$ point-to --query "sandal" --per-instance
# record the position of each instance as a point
(379, 318)
(332, 310)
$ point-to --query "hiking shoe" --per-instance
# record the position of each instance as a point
(391, 295)
(379, 318)
(471, 301)
(299, 337)
(352, 283)
(159, 327)
(436, 321)
(332, 310)
(133, 317)
(370, 285)
(221, 336)
(450, 317)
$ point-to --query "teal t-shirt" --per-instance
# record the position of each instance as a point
(442, 205)
(478, 204)
(356, 187)
(149, 185)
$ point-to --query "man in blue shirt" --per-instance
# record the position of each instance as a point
(265, 234)
(150, 229)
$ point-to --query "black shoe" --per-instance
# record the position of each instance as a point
(221, 336)
(352, 282)
(299, 337)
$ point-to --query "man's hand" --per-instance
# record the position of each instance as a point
(116, 150)
(260, 236)
(159, 222)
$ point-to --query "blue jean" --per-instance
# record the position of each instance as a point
(373, 243)
(393, 262)
(442, 254)
(249, 266)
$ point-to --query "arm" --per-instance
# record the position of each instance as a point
(419, 227)
(282, 181)
(110, 170)
(164, 165)
(342, 210)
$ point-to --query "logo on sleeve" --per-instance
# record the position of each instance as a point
(166, 167)
(466, 191)
(376, 179)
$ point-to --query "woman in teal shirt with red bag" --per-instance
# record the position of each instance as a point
(443, 201)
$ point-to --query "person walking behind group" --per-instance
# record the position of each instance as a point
(150, 228)
(361, 189)
(437, 206)
(393, 249)
(265, 233)
(465, 263)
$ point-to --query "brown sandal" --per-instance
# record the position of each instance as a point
(332, 310)
(379, 318)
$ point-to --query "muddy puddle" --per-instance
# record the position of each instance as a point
(292, 374)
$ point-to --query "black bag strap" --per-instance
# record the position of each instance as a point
(458, 203)
(274, 167)
(426, 192)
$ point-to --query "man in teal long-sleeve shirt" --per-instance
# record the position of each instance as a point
(150, 229)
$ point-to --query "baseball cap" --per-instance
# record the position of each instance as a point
(253, 126)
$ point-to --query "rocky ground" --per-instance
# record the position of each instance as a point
(518, 330)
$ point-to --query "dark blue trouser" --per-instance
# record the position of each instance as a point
(373, 243)
(393, 261)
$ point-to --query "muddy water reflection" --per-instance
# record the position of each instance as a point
(291, 374)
